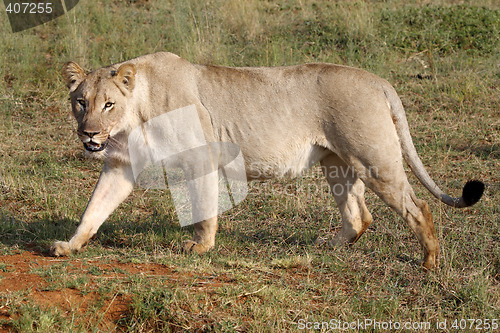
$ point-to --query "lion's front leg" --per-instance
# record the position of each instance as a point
(114, 186)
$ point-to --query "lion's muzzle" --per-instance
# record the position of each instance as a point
(94, 141)
(95, 147)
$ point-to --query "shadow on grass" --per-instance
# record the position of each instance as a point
(159, 231)
(290, 235)
(151, 232)
(33, 236)
(37, 236)
(483, 151)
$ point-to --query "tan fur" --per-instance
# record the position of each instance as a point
(284, 119)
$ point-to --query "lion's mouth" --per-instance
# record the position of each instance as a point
(94, 146)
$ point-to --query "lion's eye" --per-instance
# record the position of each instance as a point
(108, 105)
(81, 102)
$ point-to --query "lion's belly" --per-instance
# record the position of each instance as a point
(279, 166)
(271, 149)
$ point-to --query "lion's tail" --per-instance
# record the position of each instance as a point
(472, 191)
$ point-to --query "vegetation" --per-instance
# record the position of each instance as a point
(265, 274)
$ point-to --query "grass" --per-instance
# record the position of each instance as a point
(264, 274)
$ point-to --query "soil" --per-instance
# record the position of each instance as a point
(17, 275)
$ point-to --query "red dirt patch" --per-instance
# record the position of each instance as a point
(18, 275)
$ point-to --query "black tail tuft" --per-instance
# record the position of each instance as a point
(473, 191)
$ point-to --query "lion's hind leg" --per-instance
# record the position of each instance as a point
(203, 192)
(204, 236)
(348, 191)
(391, 185)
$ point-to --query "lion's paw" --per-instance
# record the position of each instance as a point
(430, 262)
(59, 249)
(190, 246)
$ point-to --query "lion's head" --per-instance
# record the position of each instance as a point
(100, 101)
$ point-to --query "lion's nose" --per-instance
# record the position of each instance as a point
(91, 134)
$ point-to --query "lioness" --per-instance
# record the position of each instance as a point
(284, 119)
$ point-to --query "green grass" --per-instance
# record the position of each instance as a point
(264, 274)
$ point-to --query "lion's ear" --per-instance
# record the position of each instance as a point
(73, 75)
(125, 76)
